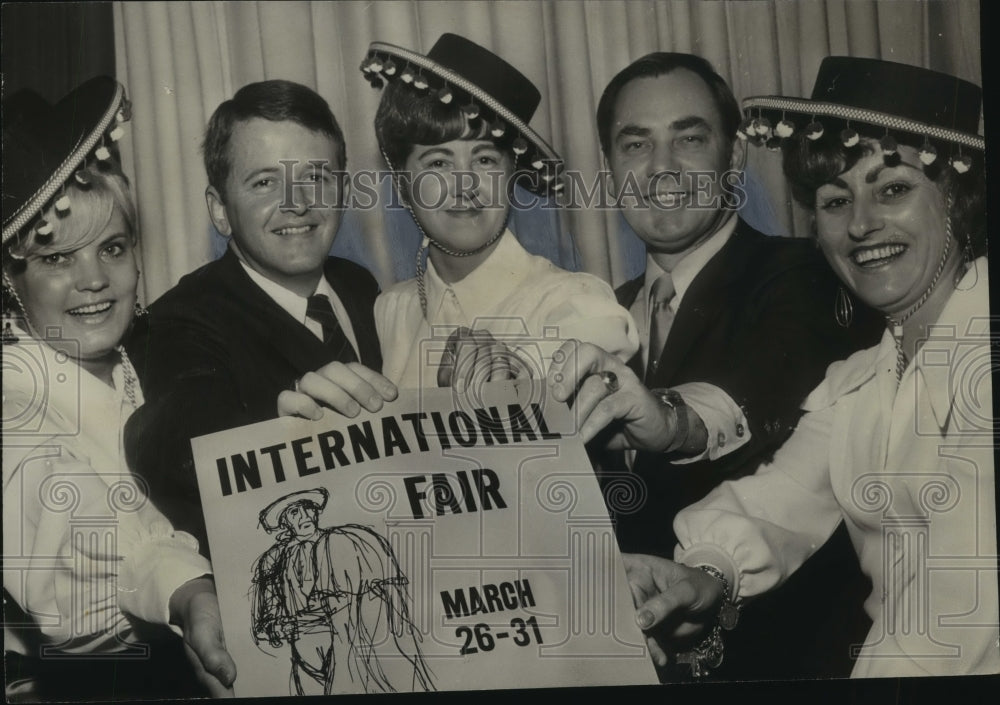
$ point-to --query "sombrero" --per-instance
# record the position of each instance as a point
(270, 516)
(874, 98)
(484, 85)
(44, 145)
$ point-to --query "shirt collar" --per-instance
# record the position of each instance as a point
(691, 265)
(102, 415)
(486, 286)
(291, 302)
(959, 336)
(955, 348)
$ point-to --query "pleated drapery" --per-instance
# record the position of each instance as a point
(179, 60)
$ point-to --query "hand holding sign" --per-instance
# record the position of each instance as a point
(674, 603)
(634, 417)
(476, 356)
(344, 388)
(438, 543)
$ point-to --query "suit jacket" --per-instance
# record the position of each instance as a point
(757, 322)
(214, 353)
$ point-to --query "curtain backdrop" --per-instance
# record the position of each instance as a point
(179, 60)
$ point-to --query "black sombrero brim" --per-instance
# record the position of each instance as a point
(44, 146)
(802, 111)
(542, 148)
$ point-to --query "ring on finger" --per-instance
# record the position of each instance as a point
(610, 380)
(298, 381)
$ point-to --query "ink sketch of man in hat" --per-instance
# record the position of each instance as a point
(337, 597)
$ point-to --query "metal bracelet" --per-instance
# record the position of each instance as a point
(705, 656)
(708, 654)
(729, 611)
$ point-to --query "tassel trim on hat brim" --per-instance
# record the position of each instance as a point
(814, 110)
(422, 62)
(33, 206)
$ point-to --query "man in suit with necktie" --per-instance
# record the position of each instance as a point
(736, 328)
(274, 313)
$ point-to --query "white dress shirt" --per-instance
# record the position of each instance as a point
(296, 305)
(83, 546)
(525, 301)
(908, 466)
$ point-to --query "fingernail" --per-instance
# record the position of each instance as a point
(375, 401)
(317, 415)
(353, 408)
(644, 619)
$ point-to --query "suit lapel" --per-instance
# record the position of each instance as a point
(269, 322)
(703, 302)
(626, 295)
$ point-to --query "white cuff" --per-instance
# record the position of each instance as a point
(156, 566)
(714, 556)
(723, 418)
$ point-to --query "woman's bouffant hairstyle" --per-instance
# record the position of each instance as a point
(809, 164)
(406, 117)
(93, 192)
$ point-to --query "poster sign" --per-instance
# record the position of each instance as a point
(443, 543)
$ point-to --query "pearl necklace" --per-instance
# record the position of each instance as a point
(131, 378)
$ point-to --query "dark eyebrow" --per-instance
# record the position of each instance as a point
(872, 176)
(257, 172)
(431, 150)
(686, 123)
(632, 130)
(484, 147)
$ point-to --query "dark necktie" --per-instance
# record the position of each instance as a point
(660, 318)
(319, 309)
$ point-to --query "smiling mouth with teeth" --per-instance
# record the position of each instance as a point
(91, 309)
(670, 198)
(874, 256)
(296, 230)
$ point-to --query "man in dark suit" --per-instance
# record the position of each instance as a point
(736, 328)
(273, 314)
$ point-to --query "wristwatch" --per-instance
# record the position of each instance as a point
(673, 400)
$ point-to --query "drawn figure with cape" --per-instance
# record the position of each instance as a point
(337, 597)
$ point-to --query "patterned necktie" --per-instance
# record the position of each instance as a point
(319, 309)
(660, 318)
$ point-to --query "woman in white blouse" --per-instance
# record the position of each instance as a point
(453, 125)
(897, 440)
(89, 563)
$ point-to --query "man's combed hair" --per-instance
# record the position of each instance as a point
(275, 100)
(658, 64)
